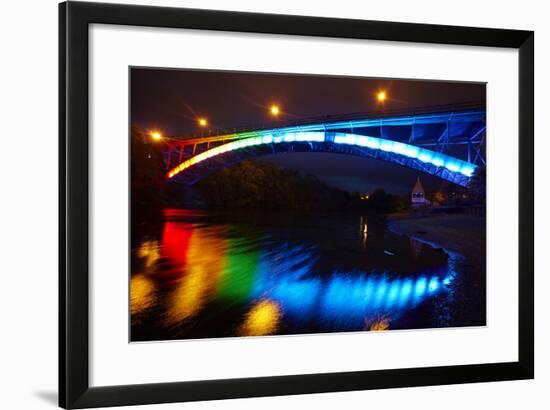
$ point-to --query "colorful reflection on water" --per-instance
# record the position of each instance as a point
(200, 278)
(262, 319)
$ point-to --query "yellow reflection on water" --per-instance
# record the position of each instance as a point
(379, 325)
(142, 294)
(150, 252)
(202, 273)
(364, 230)
(263, 319)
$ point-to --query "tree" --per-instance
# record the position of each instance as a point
(146, 170)
(478, 185)
(254, 184)
(379, 201)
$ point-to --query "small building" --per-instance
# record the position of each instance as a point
(418, 195)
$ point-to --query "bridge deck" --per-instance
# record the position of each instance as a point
(450, 141)
(469, 112)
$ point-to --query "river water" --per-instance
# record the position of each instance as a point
(200, 275)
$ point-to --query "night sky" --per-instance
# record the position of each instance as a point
(172, 100)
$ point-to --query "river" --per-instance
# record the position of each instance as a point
(202, 275)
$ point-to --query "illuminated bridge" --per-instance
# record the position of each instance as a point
(448, 142)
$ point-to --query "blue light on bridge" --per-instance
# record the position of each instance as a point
(411, 151)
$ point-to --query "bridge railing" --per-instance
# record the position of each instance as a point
(378, 114)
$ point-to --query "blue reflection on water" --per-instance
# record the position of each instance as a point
(341, 300)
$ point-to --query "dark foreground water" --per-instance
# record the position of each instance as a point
(196, 275)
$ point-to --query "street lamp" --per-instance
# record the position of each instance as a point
(381, 96)
(203, 122)
(155, 135)
(274, 110)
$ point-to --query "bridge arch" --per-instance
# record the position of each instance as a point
(256, 144)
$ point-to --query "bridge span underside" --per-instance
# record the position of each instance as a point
(447, 145)
(204, 168)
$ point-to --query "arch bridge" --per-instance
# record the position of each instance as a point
(445, 142)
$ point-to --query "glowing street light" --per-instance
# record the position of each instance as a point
(156, 135)
(203, 122)
(274, 110)
(381, 96)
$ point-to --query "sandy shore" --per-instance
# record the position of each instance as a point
(460, 233)
(463, 238)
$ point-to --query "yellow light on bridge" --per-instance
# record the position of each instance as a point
(381, 96)
(156, 135)
(203, 122)
(274, 109)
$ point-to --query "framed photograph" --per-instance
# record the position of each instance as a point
(255, 205)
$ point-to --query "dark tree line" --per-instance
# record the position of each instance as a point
(382, 202)
(254, 184)
(456, 195)
(146, 172)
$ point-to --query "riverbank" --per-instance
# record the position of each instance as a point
(460, 233)
(462, 236)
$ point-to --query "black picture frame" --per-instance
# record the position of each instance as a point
(74, 387)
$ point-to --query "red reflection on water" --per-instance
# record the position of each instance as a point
(175, 240)
(175, 214)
